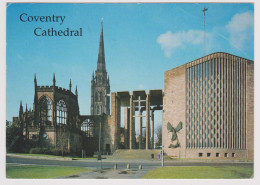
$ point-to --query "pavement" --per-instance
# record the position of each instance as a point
(110, 173)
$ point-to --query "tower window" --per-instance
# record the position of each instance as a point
(96, 96)
(100, 96)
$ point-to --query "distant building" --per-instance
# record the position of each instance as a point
(214, 99)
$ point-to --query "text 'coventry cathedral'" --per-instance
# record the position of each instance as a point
(207, 107)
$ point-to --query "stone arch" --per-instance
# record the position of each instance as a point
(61, 112)
(45, 111)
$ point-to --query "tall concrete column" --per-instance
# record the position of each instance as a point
(152, 129)
(140, 129)
(133, 128)
(118, 120)
(131, 123)
(147, 122)
(126, 127)
(114, 121)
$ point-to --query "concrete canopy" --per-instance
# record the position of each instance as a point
(156, 98)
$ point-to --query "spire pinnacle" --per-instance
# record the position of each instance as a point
(35, 80)
(21, 109)
(70, 85)
(35, 89)
(76, 91)
(101, 65)
(54, 80)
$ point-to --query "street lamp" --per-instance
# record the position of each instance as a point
(162, 140)
(162, 156)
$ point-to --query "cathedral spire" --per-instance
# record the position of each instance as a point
(101, 65)
(100, 103)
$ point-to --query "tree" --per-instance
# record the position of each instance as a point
(158, 133)
(62, 141)
(14, 138)
(8, 124)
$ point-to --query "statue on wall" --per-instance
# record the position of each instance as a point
(174, 134)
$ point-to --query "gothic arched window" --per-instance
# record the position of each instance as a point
(100, 96)
(97, 107)
(45, 111)
(96, 96)
(61, 113)
(88, 127)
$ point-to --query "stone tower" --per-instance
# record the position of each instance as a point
(100, 86)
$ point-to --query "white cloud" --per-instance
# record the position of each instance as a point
(170, 41)
(241, 29)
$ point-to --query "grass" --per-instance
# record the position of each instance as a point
(40, 172)
(200, 172)
(39, 155)
(51, 156)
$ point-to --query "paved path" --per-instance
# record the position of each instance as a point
(110, 173)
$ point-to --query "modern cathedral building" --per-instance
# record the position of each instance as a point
(207, 107)
(213, 97)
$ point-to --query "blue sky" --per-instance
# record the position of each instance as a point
(142, 41)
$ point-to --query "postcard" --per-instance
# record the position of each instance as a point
(129, 90)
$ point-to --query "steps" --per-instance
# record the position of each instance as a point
(135, 154)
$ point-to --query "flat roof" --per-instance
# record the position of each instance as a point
(156, 97)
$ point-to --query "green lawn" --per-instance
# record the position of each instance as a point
(39, 155)
(40, 172)
(200, 172)
(52, 156)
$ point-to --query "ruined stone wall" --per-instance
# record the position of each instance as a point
(106, 134)
(111, 133)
